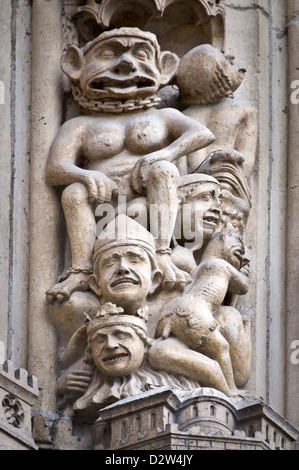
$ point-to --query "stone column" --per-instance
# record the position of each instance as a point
(47, 100)
(15, 103)
(5, 164)
(292, 365)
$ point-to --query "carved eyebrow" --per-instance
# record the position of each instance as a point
(144, 45)
(135, 254)
(113, 257)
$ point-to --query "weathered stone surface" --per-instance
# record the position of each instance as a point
(150, 114)
(198, 420)
(18, 393)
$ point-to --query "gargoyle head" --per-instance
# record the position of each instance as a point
(121, 64)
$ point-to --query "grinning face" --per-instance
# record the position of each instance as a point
(121, 68)
(117, 350)
(205, 201)
(124, 275)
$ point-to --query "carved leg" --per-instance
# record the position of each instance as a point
(81, 226)
(237, 331)
(216, 347)
(173, 356)
(162, 183)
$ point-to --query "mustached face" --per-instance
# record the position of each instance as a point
(117, 350)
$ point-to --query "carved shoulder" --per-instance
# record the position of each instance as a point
(66, 148)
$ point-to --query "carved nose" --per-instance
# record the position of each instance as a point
(123, 268)
(125, 66)
(111, 342)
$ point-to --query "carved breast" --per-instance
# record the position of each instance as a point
(145, 136)
(103, 142)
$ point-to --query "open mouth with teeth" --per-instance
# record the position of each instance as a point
(132, 83)
(211, 220)
(125, 281)
(115, 358)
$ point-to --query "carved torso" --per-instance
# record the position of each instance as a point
(236, 132)
(108, 145)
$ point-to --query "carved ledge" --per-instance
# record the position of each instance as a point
(202, 419)
(18, 393)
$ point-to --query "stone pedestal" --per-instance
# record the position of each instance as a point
(203, 419)
(18, 392)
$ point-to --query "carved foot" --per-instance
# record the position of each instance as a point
(173, 277)
(62, 291)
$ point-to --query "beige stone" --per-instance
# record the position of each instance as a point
(114, 78)
(144, 111)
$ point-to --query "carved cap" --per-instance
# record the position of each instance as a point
(124, 231)
(197, 178)
(123, 32)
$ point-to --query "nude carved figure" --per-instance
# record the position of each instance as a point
(123, 146)
(190, 318)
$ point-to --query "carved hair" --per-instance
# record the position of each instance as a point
(205, 75)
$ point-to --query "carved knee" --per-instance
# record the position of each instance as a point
(74, 195)
(163, 170)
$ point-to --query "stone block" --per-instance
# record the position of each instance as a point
(18, 393)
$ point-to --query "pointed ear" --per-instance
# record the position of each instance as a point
(169, 63)
(72, 62)
(93, 284)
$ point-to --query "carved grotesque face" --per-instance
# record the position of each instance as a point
(228, 246)
(234, 250)
(124, 275)
(205, 201)
(117, 350)
(120, 65)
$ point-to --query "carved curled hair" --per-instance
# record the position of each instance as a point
(220, 87)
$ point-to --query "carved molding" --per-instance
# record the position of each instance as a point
(195, 21)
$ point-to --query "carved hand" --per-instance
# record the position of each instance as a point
(140, 171)
(99, 186)
(74, 382)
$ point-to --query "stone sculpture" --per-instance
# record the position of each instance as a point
(125, 273)
(190, 317)
(159, 301)
(127, 145)
(207, 80)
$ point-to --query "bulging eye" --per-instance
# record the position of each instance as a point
(105, 54)
(205, 197)
(141, 54)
